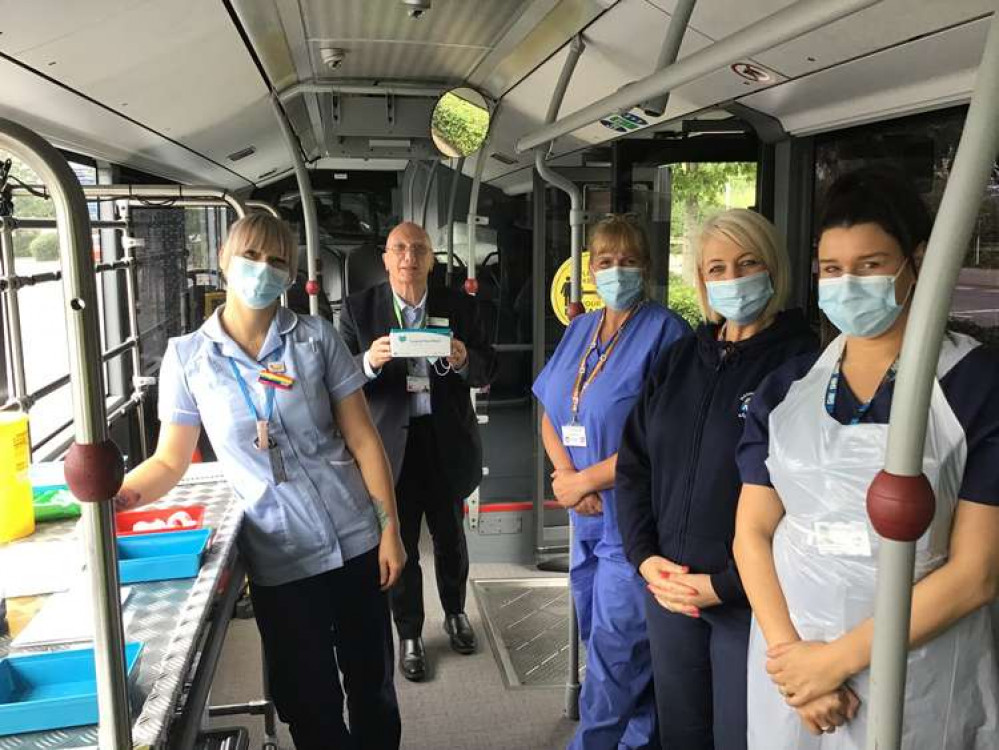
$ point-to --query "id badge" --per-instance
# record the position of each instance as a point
(276, 461)
(842, 539)
(573, 436)
(417, 384)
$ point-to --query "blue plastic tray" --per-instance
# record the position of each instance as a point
(160, 557)
(53, 690)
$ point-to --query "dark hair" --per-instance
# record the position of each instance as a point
(879, 195)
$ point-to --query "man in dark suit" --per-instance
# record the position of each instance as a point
(424, 414)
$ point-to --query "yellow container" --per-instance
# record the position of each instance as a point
(17, 516)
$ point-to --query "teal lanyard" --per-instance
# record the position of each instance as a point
(249, 399)
(832, 390)
(398, 314)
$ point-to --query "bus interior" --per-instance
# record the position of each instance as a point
(178, 117)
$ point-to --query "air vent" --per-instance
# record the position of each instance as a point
(268, 173)
(504, 159)
(242, 153)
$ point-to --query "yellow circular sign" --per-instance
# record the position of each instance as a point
(560, 291)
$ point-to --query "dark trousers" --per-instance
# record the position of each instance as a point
(312, 630)
(421, 492)
(699, 672)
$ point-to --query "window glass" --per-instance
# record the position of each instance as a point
(924, 147)
(43, 326)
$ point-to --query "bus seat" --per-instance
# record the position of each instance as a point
(364, 268)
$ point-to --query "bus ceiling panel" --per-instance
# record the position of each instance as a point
(75, 123)
(929, 73)
(891, 22)
(381, 40)
(622, 46)
(178, 67)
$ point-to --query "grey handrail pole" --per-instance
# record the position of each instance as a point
(471, 284)
(931, 302)
(13, 315)
(576, 219)
(679, 20)
(389, 88)
(775, 29)
(431, 176)
(136, 193)
(90, 428)
(452, 196)
(264, 206)
(309, 217)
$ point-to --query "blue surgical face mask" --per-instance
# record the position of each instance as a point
(619, 287)
(256, 284)
(740, 300)
(862, 306)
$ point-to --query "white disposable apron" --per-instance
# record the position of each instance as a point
(825, 554)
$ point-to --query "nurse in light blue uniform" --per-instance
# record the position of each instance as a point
(280, 397)
(587, 390)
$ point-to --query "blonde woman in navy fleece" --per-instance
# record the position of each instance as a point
(677, 482)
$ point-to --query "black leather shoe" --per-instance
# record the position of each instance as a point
(459, 630)
(412, 659)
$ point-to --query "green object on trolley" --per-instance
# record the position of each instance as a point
(54, 504)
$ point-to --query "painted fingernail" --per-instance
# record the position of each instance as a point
(664, 573)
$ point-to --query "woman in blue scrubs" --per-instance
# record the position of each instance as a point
(587, 390)
(320, 533)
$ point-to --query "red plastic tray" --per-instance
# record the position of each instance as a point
(125, 522)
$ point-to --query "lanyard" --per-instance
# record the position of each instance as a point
(398, 314)
(249, 399)
(833, 389)
(582, 380)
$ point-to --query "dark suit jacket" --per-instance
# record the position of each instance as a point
(369, 315)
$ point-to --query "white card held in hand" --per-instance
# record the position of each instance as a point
(420, 342)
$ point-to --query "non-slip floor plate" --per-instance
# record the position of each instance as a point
(527, 623)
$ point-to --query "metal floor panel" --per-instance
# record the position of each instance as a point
(527, 623)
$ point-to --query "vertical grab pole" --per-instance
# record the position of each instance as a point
(453, 195)
(308, 205)
(682, 12)
(13, 314)
(472, 282)
(131, 284)
(431, 176)
(900, 500)
(94, 468)
(576, 220)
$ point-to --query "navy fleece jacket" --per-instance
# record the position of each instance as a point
(677, 482)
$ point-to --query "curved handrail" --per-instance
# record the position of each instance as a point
(90, 429)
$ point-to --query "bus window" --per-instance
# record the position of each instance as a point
(923, 146)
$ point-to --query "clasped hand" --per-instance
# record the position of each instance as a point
(572, 490)
(676, 588)
(810, 676)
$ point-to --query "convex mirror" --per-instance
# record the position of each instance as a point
(460, 122)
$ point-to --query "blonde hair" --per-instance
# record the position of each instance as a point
(618, 232)
(753, 233)
(260, 230)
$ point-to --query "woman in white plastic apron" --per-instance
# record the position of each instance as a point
(814, 440)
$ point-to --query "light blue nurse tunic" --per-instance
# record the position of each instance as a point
(322, 515)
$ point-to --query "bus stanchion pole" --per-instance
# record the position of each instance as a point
(12, 314)
(94, 468)
(900, 501)
(576, 220)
